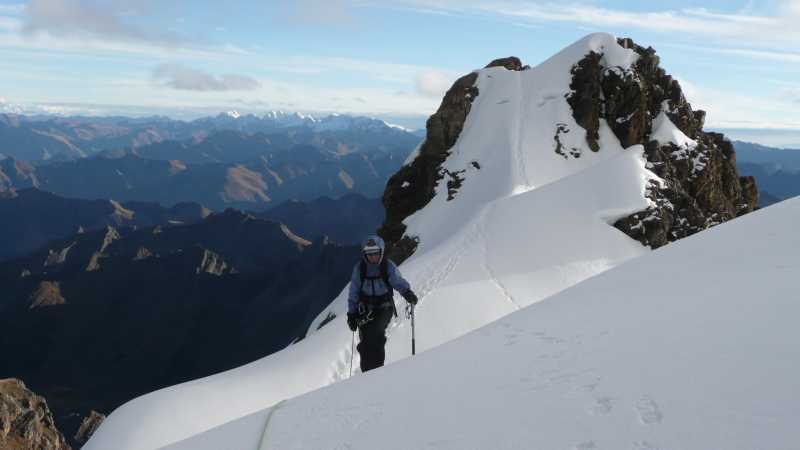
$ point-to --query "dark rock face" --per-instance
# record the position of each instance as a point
(585, 97)
(510, 63)
(702, 186)
(700, 191)
(413, 186)
(26, 422)
(625, 105)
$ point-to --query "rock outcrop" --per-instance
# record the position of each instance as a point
(88, 426)
(210, 263)
(47, 293)
(413, 186)
(26, 422)
(700, 185)
(510, 63)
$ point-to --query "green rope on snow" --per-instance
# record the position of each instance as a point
(263, 445)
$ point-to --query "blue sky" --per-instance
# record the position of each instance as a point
(739, 60)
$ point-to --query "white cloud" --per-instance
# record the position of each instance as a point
(433, 83)
(736, 110)
(389, 72)
(180, 77)
(792, 7)
(10, 24)
(12, 9)
(316, 12)
(100, 48)
(791, 94)
(83, 19)
(761, 54)
(756, 29)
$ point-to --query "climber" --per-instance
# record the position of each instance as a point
(370, 304)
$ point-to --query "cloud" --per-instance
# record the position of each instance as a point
(90, 19)
(177, 76)
(792, 7)
(755, 29)
(433, 83)
(762, 54)
(10, 24)
(12, 9)
(316, 12)
(741, 110)
(791, 94)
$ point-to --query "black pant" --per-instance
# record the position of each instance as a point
(372, 336)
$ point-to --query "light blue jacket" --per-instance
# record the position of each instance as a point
(375, 287)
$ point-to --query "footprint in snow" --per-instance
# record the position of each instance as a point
(588, 445)
(585, 388)
(648, 411)
(644, 445)
(511, 339)
(601, 406)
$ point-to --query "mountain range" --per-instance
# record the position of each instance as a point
(36, 217)
(346, 220)
(229, 168)
(105, 315)
(776, 170)
(48, 138)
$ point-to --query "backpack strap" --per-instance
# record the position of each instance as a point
(385, 275)
(389, 288)
(362, 271)
(384, 270)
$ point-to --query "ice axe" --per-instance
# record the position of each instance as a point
(410, 313)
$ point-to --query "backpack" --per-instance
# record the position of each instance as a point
(384, 269)
(384, 275)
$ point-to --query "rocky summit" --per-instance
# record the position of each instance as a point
(695, 182)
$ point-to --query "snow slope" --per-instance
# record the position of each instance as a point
(694, 346)
(526, 225)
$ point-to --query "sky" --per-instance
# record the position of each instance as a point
(738, 60)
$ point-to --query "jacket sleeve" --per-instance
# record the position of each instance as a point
(396, 279)
(355, 285)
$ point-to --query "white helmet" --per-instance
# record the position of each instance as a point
(372, 245)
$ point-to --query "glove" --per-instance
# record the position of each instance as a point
(352, 321)
(411, 297)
